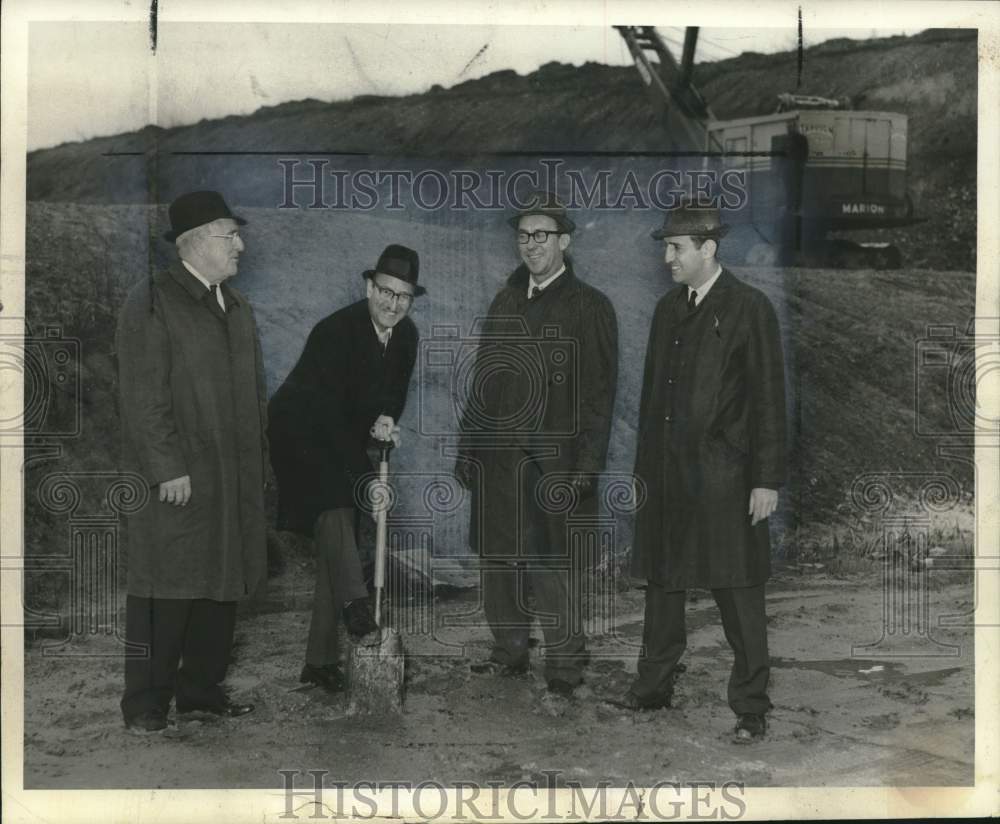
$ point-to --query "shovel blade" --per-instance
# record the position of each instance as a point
(375, 673)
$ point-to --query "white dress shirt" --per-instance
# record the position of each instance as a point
(197, 274)
(532, 285)
(383, 335)
(702, 290)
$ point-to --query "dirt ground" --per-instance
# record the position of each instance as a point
(838, 720)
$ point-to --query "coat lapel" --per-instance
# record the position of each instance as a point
(718, 298)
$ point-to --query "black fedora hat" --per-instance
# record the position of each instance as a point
(398, 262)
(547, 204)
(194, 209)
(693, 221)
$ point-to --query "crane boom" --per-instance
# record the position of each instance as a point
(669, 82)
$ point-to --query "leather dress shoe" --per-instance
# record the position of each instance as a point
(359, 619)
(493, 667)
(631, 701)
(150, 721)
(750, 727)
(327, 676)
(227, 709)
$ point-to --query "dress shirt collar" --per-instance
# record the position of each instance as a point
(544, 284)
(703, 289)
(383, 336)
(207, 285)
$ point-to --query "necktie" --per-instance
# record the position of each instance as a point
(214, 306)
(692, 297)
(535, 292)
(214, 289)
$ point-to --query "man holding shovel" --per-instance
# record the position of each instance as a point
(349, 385)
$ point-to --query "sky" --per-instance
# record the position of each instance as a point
(88, 79)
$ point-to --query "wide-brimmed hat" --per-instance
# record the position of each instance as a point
(398, 262)
(693, 221)
(195, 209)
(544, 203)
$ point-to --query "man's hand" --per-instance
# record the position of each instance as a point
(385, 429)
(177, 491)
(763, 502)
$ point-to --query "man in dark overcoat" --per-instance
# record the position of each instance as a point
(193, 416)
(349, 385)
(711, 455)
(535, 430)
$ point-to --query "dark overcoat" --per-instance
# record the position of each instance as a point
(540, 403)
(321, 415)
(711, 428)
(193, 402)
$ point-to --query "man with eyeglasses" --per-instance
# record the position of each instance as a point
(534, 437)
(349, 385)
(193, 415)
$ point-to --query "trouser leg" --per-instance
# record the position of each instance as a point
(208, 644)
(150, 678)
(338, 580)
(558, 609)
(506, 606)
(664, 639)
(744, 622)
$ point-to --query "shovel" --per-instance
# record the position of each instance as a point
(376, 669)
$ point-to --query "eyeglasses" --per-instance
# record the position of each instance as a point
(539, 236)
(232, 237)
(403, 298)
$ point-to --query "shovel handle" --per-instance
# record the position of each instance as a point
(380, 531)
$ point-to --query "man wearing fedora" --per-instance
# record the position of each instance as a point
(711, 454)
(193, 414)
(349, 385)
(535, 436)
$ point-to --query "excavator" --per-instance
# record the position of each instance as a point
(812, 168)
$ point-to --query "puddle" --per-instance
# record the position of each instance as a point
(867, 669)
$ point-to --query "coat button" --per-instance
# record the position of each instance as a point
(670, 381)
(677, 341)
(667, 419)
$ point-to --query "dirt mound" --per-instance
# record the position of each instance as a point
(562, 109)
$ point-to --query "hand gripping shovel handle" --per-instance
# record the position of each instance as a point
(380, 529)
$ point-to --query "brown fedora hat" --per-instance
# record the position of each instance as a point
(194, 209)
(544, 203)
(398, 262)
(693, 221)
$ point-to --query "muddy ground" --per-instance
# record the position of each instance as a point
(838, 720)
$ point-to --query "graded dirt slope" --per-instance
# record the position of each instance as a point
(558, 109)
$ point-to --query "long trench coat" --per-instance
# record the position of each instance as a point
(193, 402)
(542, 391)
(321, 415)
(711, 428)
